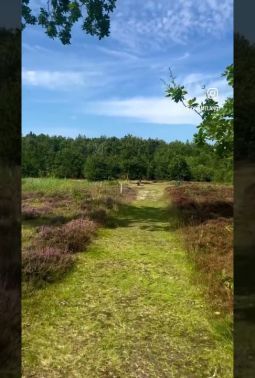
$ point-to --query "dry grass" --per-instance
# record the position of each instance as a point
(206, 222)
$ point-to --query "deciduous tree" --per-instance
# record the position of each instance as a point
(57, 17)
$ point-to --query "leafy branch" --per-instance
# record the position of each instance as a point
(59, 16)
(217, 122)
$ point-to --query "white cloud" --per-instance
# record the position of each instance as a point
(52, 79)
(63, 80)
(150, 24)
(161, 110)
(145, 109)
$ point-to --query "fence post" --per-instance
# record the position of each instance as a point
(121, 188)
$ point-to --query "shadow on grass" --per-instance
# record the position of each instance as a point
(29, 286)
(47, 221)
(149, 218)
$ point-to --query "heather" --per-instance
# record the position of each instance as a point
(130, 306)
(205, 220)
(60, 218)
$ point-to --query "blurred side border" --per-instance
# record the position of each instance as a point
(10, 188)
(244, 186)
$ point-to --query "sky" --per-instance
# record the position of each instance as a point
(115, 86)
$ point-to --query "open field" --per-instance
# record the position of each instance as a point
(130, 306)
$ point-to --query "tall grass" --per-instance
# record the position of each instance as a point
(55, 186)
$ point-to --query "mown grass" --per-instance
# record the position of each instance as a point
(128, 309)
(206, 222)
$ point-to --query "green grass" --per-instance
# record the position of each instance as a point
(55, 186)
(128, 309)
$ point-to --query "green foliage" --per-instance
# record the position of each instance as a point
(179, 169)
(176, 93)
(126, 158)
(229, 74)
(58, 17)
(202, 173)
(217, 122)
(96, 168)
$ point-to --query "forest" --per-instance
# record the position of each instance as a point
(130, 157)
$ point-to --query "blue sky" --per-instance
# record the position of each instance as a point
(114, 86)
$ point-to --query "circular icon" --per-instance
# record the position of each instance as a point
(212, 93)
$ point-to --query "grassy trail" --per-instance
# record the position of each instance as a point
(129, 308)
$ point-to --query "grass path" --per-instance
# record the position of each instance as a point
(129, 308)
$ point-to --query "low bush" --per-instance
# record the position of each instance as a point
(29, 212)
(73, 236)
(45, 263)
(68, 213)
(200, 202)
(206, 224)
(99, 215)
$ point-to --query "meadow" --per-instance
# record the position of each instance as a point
(60, 218)
(112, 288)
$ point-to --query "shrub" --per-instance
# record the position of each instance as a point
(109, 202)
(30, 212)
(45, 263)
(206, 213)
(78, 233)
(202, 173)
(98, 215)
(210, 246)
(74, 236)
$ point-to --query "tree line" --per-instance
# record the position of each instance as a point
(121, 158)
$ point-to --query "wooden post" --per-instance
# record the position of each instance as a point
(121, 188)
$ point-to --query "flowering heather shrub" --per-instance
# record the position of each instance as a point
(30, 212)
(48, 235)
(74, 236)
(210, 246)
(202, 203)
(45, 264)
(78, 233)
(207, 227)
